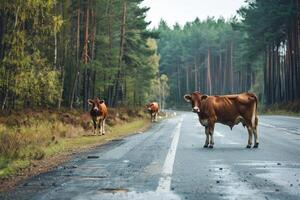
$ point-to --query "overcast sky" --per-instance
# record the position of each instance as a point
(182, 11)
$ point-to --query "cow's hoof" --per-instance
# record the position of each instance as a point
(210, 146)
(256, 145)
(248, 146)
(205, 146)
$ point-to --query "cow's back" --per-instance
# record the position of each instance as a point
(154, 107)
(103, 109)
(227, 108)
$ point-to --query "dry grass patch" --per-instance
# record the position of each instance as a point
(32, 136)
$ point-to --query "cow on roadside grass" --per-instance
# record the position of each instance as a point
(227, 109)
(153, 110)
(99, 114)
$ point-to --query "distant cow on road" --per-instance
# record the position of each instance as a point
(227, 109)
(153, 110)
(99, 114)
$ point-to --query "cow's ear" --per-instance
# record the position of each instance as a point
(203, 97)
(101, 101)
(90, 102)
(187, 98)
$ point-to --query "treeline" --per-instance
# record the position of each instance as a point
(258, 53)
(206, 56)
(60, 53)
(273, 29)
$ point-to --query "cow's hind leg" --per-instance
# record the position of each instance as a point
(207, 138)
(255, 138)
(255, 134)
(250, 131)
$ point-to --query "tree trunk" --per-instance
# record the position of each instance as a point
(77, 57)
(86, 58)
(119, 80)
(178, 84)
(110, 88)
(187, 80)
(208, 72)
(195, 73)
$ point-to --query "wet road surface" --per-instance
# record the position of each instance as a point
(168, 162)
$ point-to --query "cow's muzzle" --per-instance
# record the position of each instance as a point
(196, 109)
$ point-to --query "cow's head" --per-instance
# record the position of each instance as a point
(195, 99)
(148, 106)
(95, 103)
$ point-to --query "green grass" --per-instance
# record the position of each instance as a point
(21, 145)
(69, 144)
(288, 109)
(281, 112)
(11, 167)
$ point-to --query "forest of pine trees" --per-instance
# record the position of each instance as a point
(207, 56)
(256, 51)
(60, 53)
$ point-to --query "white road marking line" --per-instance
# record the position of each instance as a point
(266, 125)
(164, 184)
(289, 117)
(279, 128)
(218, 134)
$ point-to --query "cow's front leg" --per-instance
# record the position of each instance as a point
(94, 126)
(155, 118)
(250, 131)
(103, 127)
(211, 133)
(99, 127)
(207, 137)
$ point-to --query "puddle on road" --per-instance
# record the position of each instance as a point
(282, 174)
(92, 157)
(230, 186)
(89, 177)
(260, 164)
(117, 140)
(113, 190)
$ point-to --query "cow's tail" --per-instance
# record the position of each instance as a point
(254, 119)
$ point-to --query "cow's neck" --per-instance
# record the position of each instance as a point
(202, 115)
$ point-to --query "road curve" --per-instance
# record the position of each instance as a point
(168, 162)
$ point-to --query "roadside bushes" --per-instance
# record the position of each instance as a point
(288, 108)
(23, 134)
(26, 142)
(27, 135)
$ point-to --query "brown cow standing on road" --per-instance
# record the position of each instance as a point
(227, 109)
(98, 114)
(153, 110)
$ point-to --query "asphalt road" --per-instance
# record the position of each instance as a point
(168, 162)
